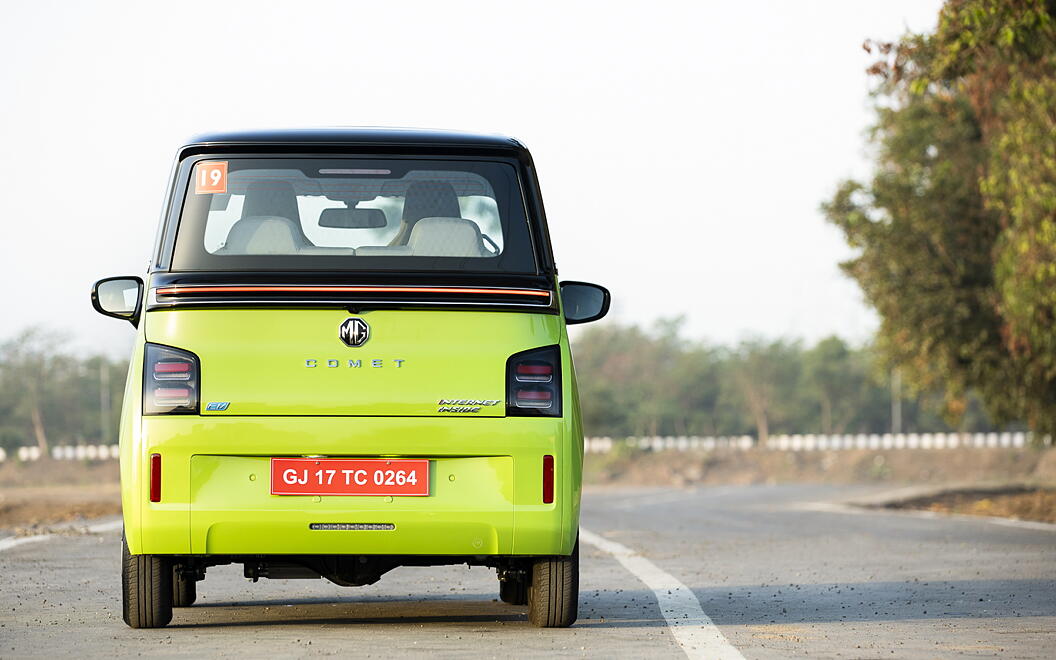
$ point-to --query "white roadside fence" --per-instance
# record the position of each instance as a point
(670, 443)
(817, 442)
(64, 453)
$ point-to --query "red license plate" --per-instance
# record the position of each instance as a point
(349, 476)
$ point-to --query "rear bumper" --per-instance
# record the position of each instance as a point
(485, 486)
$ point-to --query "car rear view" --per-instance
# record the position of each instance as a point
(351, 356)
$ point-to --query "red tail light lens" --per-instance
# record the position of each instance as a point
(533, 371)
(548, 479)
(533, 383)
(173, 370)
(532, 397)
(170, 381)
(155, 477)
(172, 396)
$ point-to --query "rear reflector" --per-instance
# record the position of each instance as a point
(548, 479)
(155, 477)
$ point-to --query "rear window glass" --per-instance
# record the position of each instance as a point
(352, 214)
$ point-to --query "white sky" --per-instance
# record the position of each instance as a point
(683, 147)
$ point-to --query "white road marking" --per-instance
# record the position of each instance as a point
(106, 527)
(99, 528)
(13, 541)
(693, 630)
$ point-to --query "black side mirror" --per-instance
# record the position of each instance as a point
(119, 297)
(584, 302)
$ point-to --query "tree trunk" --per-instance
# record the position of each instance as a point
(38, 428)
(826, 415)
(762, 428)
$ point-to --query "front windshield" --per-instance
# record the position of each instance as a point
(352, 214)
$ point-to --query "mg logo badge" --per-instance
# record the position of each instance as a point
(354, 332)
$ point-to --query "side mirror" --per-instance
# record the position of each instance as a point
(584, 302)
(120, 297)
(353, 218)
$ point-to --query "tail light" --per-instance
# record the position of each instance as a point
(170, 381)
(533, 383)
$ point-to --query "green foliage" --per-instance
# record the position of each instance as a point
(49, 397)
(635, 383)
(957, 229)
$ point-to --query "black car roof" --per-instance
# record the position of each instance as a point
(401, 137)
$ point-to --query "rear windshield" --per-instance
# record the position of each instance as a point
(353, 214)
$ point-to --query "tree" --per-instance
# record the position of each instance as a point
(833, 377)
(766, 376)
(49, 396)
(636, 382)
(957, 229)
(1002, 56)
(28, 365)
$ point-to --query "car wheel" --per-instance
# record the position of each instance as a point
(553, 596)
(184, 588)
(146, 589)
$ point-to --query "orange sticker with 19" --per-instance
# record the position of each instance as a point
(210, 177)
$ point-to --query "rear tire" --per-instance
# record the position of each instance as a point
(514, 591)
(184, 588)
(146, 589)
(553, 597)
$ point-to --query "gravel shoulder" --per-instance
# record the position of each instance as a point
(1015, 502)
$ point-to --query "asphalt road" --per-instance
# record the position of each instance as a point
(774, 576)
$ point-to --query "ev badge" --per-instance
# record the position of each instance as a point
(354, 332)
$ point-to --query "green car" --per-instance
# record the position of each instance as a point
(351, 355)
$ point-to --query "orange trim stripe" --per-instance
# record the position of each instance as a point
(177, 290)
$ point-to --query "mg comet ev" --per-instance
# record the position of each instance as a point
(351, 356)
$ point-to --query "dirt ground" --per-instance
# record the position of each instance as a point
(1021, 503)
(964, 466)
(35, 495)
(47, 492)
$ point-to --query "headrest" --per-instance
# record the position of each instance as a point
(445, 237)
(430, 199)
(262, 235)
(271, 198)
